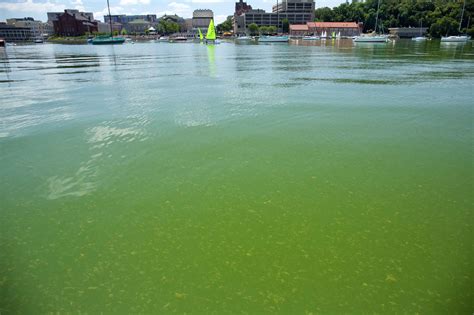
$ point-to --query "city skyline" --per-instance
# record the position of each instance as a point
(221, 8)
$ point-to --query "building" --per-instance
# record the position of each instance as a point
(347, 29)
(202, 18)
(295, 11)
(407, 32)
(36, 27)
(105, 27)
(175, 19)
(242, 7)
(13, 33)
(125, 19)
(137, 27)
(74, 23)
(53, 16)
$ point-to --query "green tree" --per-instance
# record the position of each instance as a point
(225, 26)
(263, 30)
(324, 14)
(115, 33)
(253, 29)
(124, 31)
(441, 17)
(285, 26)
(272, 30)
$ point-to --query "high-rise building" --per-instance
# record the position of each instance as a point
(202, 18)
(295, 11)
(28, 22)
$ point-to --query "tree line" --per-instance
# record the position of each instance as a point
(441, 17)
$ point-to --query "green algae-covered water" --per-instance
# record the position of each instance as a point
(182, 178)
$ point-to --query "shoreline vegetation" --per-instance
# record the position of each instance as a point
(440, 17)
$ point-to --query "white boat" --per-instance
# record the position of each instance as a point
(314, 37)
(371, 39)
(374, 37)
(419, 38)
(338, 36)
(458, 38)
(164, 39)
(38, 41)
(243, 38)
(180, 39)
(273, 39)
(324, 35)
(455, 39)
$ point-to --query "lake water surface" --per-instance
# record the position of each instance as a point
(155, 177)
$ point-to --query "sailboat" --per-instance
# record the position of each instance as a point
(323, 35)
(459, 38)
(107, 40)
(201, 37)
(211, 37)
(421, 37)
(374, 37)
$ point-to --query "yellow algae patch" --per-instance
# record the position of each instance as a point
(180, 296)
(391, 278)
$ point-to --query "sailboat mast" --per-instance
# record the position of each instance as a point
(278, 18)
(462, 15)
(376, 17)
(110, 19)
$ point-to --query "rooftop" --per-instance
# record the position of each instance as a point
(332, 24)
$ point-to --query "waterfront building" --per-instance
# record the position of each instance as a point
(175, 19)
(53, 16)
(137, 27)
(105, 27)
(13, 33)
(36, 27)
(125, 19)
(346, 29)
(295, 11)
(242, 7)
(202, 18)
(72, 23)
(407, 32)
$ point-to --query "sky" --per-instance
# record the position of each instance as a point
(222, 8)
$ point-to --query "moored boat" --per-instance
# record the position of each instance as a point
(273, 39)
(313, 37)
(455, 39)
(2, 42)
(107, 40)
(419, 38)
(371, 39)
(458, 38)
(243, 38)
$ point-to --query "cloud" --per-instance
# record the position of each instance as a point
(30, 6)
(181, 9)
(134, 2)
(99, 15)
(219, 18)
(78, 5)
(207, 1)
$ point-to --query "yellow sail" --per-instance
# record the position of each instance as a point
(201, 37)
(211, 31)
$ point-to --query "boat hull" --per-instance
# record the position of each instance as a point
(371, 39)
(311, 38)
(455, 39)
(108, 41)
(273, 39)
